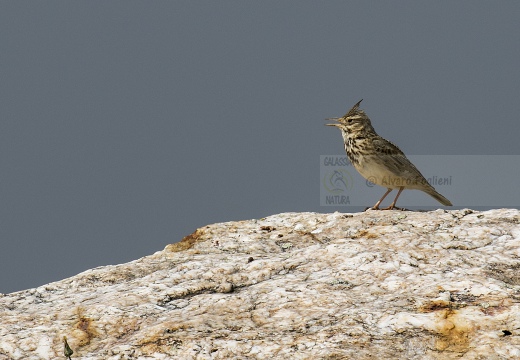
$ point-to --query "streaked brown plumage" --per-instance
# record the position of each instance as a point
(378, 160)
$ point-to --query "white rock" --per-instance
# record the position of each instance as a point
(379, 284)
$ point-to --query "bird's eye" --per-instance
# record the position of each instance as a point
(349, 121)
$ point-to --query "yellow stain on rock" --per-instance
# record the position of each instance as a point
(453, 332)
(84, 329)
(187, 242)
(162, 339)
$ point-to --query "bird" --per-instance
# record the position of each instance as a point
(378, 160)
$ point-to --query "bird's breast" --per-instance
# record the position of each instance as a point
(376, 172)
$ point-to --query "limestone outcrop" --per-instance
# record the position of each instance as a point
(378, 284)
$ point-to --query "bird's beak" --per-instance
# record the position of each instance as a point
(333, 119)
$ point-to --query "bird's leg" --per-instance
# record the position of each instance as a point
(392, 205)
(376, 206)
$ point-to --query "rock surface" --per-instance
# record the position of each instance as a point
(373, 285)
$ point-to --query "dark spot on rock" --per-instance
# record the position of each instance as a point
(267, 228)
(435, 305)
(508, 273)
(364, 234)
(512, 220)
(250, 259)
(463, 298)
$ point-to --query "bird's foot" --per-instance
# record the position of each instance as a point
(387, 208)
(395, 208)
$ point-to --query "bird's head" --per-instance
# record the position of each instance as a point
(355, 121)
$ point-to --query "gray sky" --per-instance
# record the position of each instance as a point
(126, 125)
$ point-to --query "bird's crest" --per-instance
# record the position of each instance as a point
(355, 110)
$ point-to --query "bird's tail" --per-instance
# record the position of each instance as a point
(434, 194)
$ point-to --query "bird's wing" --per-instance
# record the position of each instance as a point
(396, 161)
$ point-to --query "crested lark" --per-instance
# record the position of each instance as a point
(378, 160)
